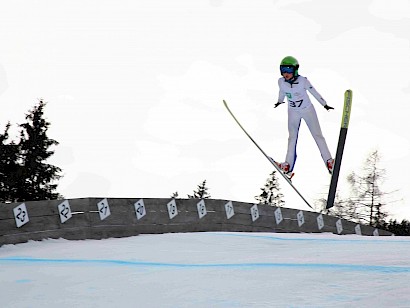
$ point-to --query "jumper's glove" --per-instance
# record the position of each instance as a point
(277, 104)
(327, 107)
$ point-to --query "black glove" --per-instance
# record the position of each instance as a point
(328, 107)
(277, 104)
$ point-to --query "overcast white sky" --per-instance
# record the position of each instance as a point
(135, 89)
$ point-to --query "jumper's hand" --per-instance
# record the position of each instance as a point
(327, 107)
(277, 104)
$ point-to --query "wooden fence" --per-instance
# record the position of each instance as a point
(97, 218)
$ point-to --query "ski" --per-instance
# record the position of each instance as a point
(270, 159)
(340, 148)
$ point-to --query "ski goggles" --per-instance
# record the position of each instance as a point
(287, 69)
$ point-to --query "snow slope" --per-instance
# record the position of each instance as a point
(213, 269)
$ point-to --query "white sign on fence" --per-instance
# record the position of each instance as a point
(65, 211)
(201, 209)
(229, 210)
(21, 215)
(339, 226)
(320, 222)
(103, 209)
(358, 230)
(140, 209)
(172, 209)
(254, 212)
(301, 218)
(278, 216)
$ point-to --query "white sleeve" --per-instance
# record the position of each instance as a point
(312, 90)
(282, 94)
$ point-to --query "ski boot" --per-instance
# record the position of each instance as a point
(285, 167)
(329, 164)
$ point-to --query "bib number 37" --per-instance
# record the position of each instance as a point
(295, 104)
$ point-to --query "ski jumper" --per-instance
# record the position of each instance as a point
(300, 107)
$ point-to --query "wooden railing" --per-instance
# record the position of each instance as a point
(97, 218)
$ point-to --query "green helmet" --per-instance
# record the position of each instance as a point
(290, 62)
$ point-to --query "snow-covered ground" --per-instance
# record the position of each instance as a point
(208, 270)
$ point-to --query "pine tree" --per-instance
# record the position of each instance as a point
(271, 192)
(26, 175)
(175, 195)
(401, 229)
(10, 170)
(201, 192)
(35, 146)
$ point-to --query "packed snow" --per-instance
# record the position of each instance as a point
(213, 269)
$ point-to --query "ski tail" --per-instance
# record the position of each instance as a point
(270, 159)
(340, 148)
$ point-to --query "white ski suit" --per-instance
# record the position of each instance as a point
(300, 107)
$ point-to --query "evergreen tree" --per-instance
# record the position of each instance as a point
(402, 229)
(175, 195)
(35, 146)
(271, 192)
(27, 176)
(10, 170)
(201, 192)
